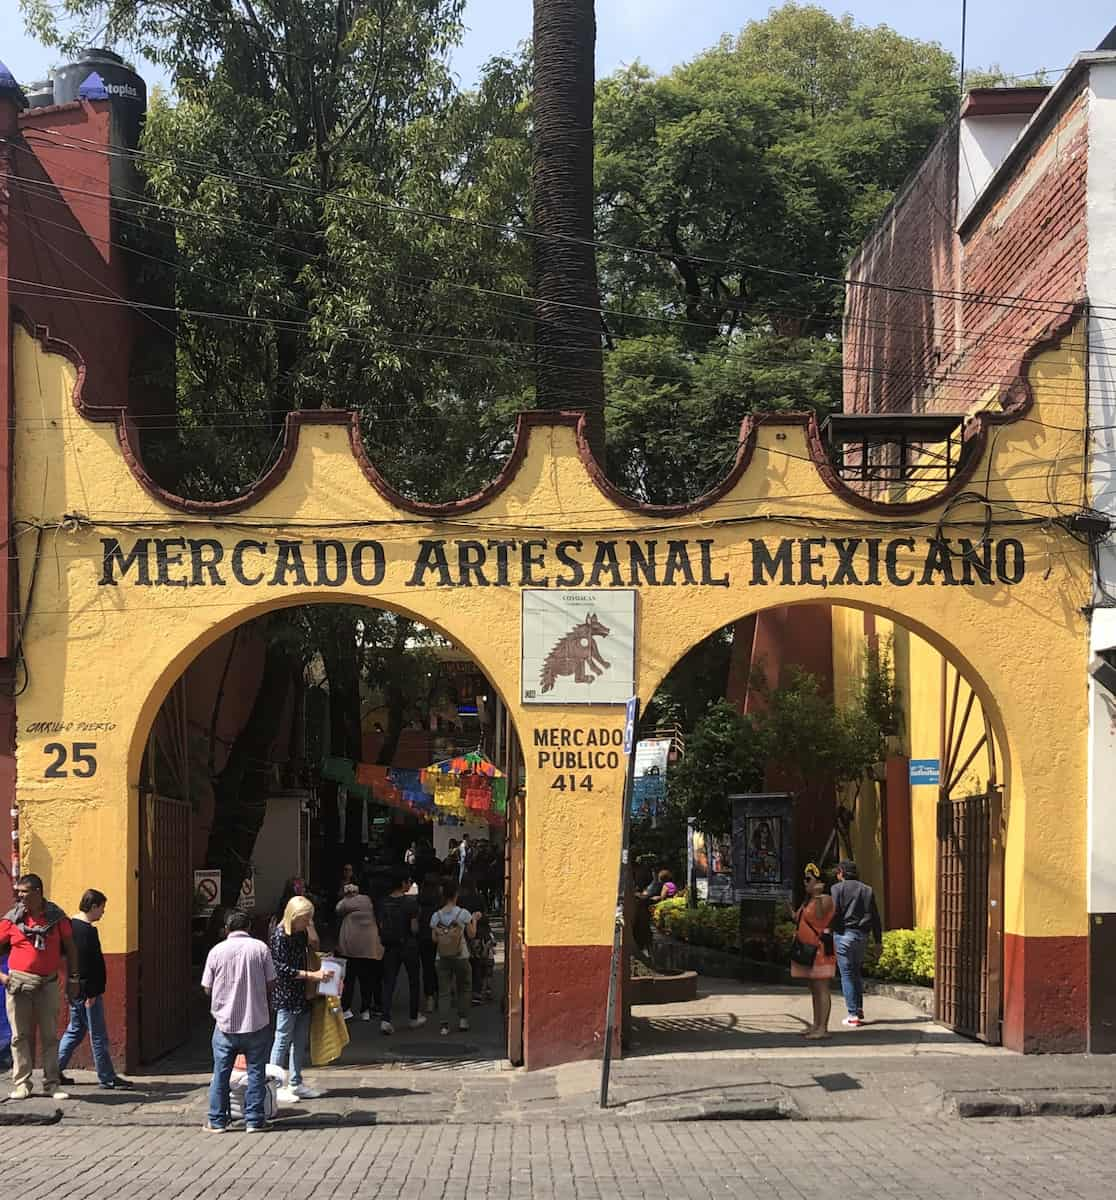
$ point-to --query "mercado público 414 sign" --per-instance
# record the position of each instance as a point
(576, 563)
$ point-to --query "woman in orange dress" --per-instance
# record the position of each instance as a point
(812, 921)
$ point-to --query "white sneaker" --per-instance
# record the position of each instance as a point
(23, 1092)
(287, 1095)
(59, 1095)
(366, 1016)
(307, 1093)
(463, 1025)
(348, 1014)
(386, 1027)
(418, 1022)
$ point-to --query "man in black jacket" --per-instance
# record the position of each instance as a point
(855, 916)
(87, 1008)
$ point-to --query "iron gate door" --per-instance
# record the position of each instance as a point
(165, 912)
(969, 915)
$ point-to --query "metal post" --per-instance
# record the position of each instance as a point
(621, 893)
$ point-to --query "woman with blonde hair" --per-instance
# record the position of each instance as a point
(813, 956)
(291, 943)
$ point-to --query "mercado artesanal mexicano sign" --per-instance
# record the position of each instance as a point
(540, 562)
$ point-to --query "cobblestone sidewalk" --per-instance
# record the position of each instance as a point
(880, 1160)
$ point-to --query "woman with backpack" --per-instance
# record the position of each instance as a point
(451, 927)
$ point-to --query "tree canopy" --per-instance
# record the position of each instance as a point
(364, 224)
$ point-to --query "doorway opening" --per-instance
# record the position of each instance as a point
(298, 752)
(894, 759)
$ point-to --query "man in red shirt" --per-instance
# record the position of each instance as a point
(34, 935)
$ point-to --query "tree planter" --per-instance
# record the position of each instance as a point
(663, 989)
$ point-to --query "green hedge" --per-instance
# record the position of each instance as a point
(907, 956)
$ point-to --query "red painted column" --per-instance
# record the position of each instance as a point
(1046, 994)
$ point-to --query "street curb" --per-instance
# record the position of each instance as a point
(1031, 1104)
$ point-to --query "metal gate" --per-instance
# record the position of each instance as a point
(165, 911)
(969, 908)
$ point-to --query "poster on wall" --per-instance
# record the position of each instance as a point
(578, 647)
(649, 777)
(709, 860)
(763, 846)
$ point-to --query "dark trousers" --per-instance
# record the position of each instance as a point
(403, 957)
(428, 956)
(369, 973)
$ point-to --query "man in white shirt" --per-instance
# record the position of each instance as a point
(238, 977)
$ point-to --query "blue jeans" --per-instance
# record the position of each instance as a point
(850, 947)
(89, 1020)
(292, 1041)
(226, 1046)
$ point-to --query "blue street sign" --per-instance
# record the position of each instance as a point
(925, 771)
(630, 717)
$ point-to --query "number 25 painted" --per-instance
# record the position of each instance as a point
(85, 764)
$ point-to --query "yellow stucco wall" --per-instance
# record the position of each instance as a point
(102, 657)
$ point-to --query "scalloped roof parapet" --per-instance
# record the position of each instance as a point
(1015, 401)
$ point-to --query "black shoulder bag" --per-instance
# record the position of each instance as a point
(803, 953)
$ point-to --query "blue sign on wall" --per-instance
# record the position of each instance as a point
(925, 771)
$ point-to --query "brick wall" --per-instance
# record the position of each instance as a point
(916, 351)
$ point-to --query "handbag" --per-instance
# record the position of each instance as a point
(803, 953)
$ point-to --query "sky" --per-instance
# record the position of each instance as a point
(1018, 35)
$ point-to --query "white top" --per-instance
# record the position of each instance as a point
(456, 915)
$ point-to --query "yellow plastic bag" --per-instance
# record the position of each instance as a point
(329, 1034)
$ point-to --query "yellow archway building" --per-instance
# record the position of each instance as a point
(123, 584)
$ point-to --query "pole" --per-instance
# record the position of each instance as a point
(621, 894)
(964, 25)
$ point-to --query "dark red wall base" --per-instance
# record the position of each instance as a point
(565, 995)
(121, 1013)
(1046, 994)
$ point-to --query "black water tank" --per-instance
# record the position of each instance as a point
(102, 75)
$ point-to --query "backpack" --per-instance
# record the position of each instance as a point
(395, 921)
(448, 939)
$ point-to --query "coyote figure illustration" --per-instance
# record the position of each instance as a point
(576, 654)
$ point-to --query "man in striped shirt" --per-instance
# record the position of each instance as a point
(238, 976)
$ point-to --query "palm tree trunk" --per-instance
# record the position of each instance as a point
(568, 325)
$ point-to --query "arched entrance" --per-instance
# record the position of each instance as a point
(926, 822)
(123, 582)
(246, 773)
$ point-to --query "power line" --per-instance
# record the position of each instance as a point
(281, 186)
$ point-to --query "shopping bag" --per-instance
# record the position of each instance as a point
(329, 1034)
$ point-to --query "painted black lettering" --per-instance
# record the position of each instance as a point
(707, 579)
(764, 562)
(605, 560)
(873, 546)
(238, 561)
(288, 561)
(529, 560)
(356, 564)
(115, 561)
(542, 737)
(641, 561)
(678, 559)
(976, 560)
(1010, 561)
(168, 553)
(205, 555)
(502, 546)
(330, 574)
(808, 560)
(577, 571)
(846, 561)
(939, 560)
(892, 560)
(431, 558)
(470, 564)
